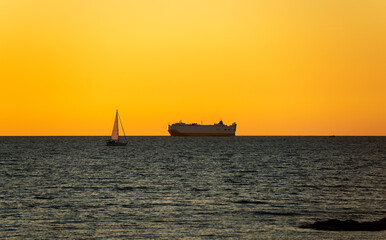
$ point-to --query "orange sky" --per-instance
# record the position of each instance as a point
(275, 67)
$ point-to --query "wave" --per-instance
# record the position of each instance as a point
(249, 202)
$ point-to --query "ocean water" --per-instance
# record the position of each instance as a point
(198, 188)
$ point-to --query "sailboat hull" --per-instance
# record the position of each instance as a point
(114, 143)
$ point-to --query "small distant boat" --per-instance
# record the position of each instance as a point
(114, 141)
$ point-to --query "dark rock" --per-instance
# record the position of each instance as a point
(348, 225)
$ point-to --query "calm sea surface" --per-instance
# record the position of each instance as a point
(206, 188)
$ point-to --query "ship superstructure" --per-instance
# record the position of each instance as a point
(194, 129)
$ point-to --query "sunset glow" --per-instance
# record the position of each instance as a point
(275, 67)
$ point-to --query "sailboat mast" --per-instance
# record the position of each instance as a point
(116, 119)
(122, 126)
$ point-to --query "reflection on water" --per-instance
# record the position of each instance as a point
(164, 187)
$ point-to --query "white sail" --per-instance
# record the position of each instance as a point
(115, 134)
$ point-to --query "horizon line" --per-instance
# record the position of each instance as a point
(300, 135)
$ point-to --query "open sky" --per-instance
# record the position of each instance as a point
(276, 67)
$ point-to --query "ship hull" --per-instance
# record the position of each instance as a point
(176, 133)
(198, 130)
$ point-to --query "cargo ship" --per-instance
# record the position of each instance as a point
(194, 129)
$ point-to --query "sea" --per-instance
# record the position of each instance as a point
(189, 187)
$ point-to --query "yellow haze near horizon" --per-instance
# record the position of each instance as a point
(275, 67)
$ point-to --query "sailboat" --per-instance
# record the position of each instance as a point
(114, 141)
